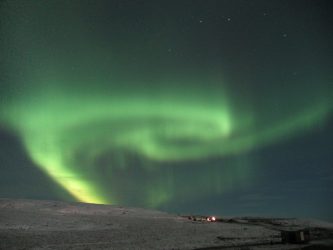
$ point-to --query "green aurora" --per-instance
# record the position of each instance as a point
(57, 126)
(104, 126)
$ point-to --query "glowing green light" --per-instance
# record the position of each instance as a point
(65, 133)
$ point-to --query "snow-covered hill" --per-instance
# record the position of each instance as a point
(30, 224)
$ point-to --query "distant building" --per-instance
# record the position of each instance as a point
(295, 236)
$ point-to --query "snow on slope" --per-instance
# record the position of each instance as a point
(28, 224)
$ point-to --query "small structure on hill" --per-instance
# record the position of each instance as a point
(295, 236)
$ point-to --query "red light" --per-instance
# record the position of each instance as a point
(211, 218)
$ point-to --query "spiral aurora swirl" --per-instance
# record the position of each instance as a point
(67, 133)
(159, 105)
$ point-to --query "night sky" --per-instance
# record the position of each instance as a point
(204, 107)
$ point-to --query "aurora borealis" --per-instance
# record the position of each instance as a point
(169, 105)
